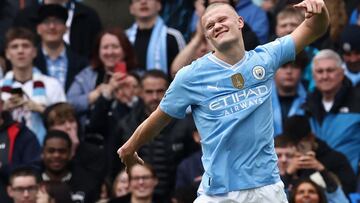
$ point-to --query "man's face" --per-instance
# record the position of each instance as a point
(288, 77)
(285, 26)
(21, 52)
(152, 92)
(23, 189)
(56, 155)
(145, 9)
(352, 60)
(222, 26)
(285, 155)
(51, 30)
(327, 75)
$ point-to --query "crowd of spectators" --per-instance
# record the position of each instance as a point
(74, 87)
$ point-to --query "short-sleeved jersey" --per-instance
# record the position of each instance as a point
(231, 106)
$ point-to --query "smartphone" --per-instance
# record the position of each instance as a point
(17, 91)
(120, 67)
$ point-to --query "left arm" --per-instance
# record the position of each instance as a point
(314, 26)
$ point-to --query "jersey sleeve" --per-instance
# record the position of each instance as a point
(179, 96)
(280, 51)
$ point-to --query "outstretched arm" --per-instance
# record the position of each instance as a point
(143, 134)
(315, 24)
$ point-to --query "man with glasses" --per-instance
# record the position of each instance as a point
(23, 185)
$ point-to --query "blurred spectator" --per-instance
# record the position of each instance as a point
(58, 166)
(83, 23)
(25, 90)
(307, 191)
(286, 22)
(255, 17)
(54, 57)
(23, 185)
(333, 107)
(102, 78)
(314, 157)
(105, 192)
(86, 150)
(8, 11)
(350, 49)
(165, 151)
(189, 172)
(106, 113)
(121, 184)
(150, 33)
(54, 192)
(289, 93)
(142, 182)
(18, 146)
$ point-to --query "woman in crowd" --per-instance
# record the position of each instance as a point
(112, 49)
(306, 191)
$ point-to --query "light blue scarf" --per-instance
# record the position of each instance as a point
(294, 110)
(156, 57)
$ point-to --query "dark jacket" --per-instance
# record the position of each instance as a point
(84, 27)
(75, 64)
(26, 150)
(165, 151)
(340, 127)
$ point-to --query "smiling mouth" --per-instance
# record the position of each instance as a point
(220, 33)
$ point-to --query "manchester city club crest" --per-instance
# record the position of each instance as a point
(259, 72)
(237, 80)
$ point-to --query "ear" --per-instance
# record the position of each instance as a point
(38, 29)
(9, 191)
(131, 10)
(241, 22)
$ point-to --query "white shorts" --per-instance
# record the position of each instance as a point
(267, 194)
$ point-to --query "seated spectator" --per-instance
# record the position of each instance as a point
(86, 150)
(333, 107)
(289, 93)
(54, 57)
(25, 91)
(101, 78)
(142, 183)
(150, 33)
(121, 184)
(350, 49)
(314, 157)
(18, 147)
(23, 185)
(82, 27)
(167, 150)
(307, 191)
(58, 166)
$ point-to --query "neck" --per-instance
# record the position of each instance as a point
(53, 49)
(56, 176)
(143, 200)
(328, 97)
(22, 74)
(232, 55)
(146, 23)
(286, 92)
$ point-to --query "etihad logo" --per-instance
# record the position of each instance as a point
(240, 100)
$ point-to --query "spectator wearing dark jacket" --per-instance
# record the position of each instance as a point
(83, 27)
(18, 146)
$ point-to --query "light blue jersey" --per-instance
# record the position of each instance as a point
(231, 106)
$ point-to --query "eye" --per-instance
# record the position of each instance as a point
(209, 26)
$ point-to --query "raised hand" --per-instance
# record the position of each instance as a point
(311, 7)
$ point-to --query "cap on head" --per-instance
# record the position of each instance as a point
(350, 40)
(52, 10)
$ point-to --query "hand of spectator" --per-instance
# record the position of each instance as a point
(42, 196)
(294, 164)
(199, 7)
(312, 7)
(117, 80)
(309, 161)
(34, 106)
(13, 102)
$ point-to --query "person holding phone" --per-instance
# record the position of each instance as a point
(112, 57)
